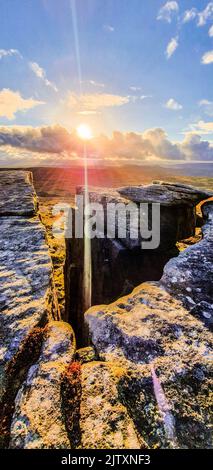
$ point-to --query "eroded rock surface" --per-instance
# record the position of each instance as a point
(167, 355)
(104, 420)
(17, 193)
(165, 193)
(27, 294)
(169, 401)
(146, 324)
(190, 276)
(38, 420)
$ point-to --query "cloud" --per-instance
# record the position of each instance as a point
(53, 139)
(161, 146)
(207, 58)
(202, 17)
(173, 105)
(95, 101)
(207, 106)
(202, 127)
(11, 102)
(211, 32)
(144, 97)
(96, 84)
(27, 145)
(197, 149)
(87, 113)
(135, 88)
(189, 15)
(168, 11)
(109, 28)
(171, 48)
(40, 73)
(10, 53)
(205, 15)
(36, 69)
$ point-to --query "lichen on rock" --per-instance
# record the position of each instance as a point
(189, 276)
(38, 420)
(167, 353)
(27, 295)
(27, 298)
(104, 420)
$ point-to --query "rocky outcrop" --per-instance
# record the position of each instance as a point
(165, 352)
(29, 349)
(119, 264)
(145, 379)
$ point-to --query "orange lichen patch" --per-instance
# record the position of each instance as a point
(182, 245)
(71, 397)
(29, 350)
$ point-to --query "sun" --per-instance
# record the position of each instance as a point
(84, 132)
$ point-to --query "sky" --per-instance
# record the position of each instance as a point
(138, 72)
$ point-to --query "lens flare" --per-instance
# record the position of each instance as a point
(84, 132)
(87, 279)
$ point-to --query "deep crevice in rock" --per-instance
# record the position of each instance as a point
(118, 266)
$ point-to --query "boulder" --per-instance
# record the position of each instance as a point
(189, 276)
(166, 355)
(144, 325)
(165, 193)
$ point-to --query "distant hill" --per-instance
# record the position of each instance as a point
(55, 181)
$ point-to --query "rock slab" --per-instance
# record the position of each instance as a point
(27, 295)
(17, 193)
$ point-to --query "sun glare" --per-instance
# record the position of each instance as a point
(84, 132)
